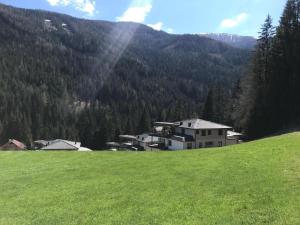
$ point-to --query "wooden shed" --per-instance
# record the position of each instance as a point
(14, 145)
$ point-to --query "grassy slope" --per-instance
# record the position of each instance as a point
(254, 183)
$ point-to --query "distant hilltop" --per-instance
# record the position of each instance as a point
(247, 42)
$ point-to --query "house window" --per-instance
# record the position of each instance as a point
(197, 132)
(182, 131)
(209, 144)
(189, 145)
(181, 123)
(209, 132)
(200, 145)
(203, 133)
(190, 124)
(170, 143)
(220, 132)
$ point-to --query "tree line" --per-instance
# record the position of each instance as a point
(267, 99)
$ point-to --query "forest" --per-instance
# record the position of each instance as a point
(89, 81)
(267, 100)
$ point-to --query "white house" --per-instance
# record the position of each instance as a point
(186, 134)
(195, 133)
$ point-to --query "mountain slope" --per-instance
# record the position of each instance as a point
(246, 42)
(253, 183)
(63, 77)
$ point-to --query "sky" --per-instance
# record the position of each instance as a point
(243, 17)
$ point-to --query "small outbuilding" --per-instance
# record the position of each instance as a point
(234, 138)
(148, 141)
(13, 145)
(60, 145)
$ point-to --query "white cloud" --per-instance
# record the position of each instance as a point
(53, 2)
(156, 26)
(87, 6)
(234, 22)
(137, 12)
(170, 30)
(160, 26)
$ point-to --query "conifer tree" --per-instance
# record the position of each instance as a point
(208, 110)
(254, 108)
(145, 122)
(271, 95)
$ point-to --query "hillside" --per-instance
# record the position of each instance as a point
(237, 41)
(254, 183)
(63, 77)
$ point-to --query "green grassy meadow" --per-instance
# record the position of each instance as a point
(253, 183)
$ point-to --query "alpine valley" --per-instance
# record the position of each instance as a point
(63, 77)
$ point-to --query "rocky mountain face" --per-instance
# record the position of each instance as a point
(246, 42)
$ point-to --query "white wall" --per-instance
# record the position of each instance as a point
(232, 141)
(214, 137)
(178, 145)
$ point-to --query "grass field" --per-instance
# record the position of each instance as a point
(253, 183)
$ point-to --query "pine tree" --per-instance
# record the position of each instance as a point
(287, 63)
(264, 49)
(254, 108)
(145, 122)
(129, 127)
(100, 139)
(208, 111)
(271, 102)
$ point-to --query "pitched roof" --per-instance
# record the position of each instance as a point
(17, 143)
(127, 137)
(13, 144)
(62, 145)
(201, 124)
(233, 134)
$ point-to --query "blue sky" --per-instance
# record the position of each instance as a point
(242, 17)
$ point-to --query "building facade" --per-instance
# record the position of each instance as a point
(181, 135)
(195, 133)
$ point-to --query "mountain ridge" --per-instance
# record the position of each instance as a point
(239, 41)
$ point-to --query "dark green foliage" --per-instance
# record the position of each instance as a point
(215, 108)
(92, 80)
(270, 101)
(209, 107)
(145, 122)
